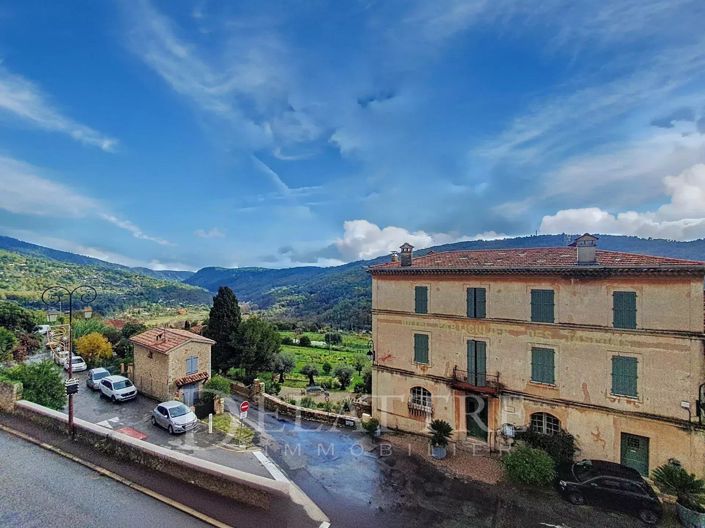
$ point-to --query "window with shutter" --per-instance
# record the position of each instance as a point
(192, 365)
(421, 299)
(421, 348)
(624, 376)
(624, 309)
(477, 363)
(542, 306)
(477, 303)
(543, 365)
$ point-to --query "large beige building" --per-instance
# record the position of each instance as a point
(605, 345)
(171, 364)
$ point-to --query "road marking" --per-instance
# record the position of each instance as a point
(270, 466)
(122, 480)
(109, 422)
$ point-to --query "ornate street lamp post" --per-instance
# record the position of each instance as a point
(55, 294)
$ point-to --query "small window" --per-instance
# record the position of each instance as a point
(545, 423)
(542, 306)
(421, 348)
(477, 303)
(543, 365)
(624, 309)
(624, 376)
(421, 397)
(149, 354)
(421, 299)
(192, 365)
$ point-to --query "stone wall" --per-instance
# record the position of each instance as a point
(272, 403)
(10, 392)
(232, 483)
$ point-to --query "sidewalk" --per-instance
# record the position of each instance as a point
(282, 512)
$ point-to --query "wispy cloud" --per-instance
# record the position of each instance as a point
(23, 100)
(27, 191)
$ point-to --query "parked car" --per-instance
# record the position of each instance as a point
(77, 364)
(174, 416)
(42, 329)
(612, 486)
(117, 388)
(94, 377)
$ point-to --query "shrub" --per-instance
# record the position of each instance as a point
(560, 446)
(286, 340)
(273, 388)
(359, 387)
(305, 341)
(8, 342)
(440, 433)
(673, 479)
(216, 386)
(528, 465)
(42, 383)
(307, 402)
(291, 401)
(371, 426)
(326, 368)
(333, 339)
(94, 348)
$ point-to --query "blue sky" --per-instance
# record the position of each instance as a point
(186, 134)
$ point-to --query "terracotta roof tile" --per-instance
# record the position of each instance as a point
(166, 339)
(191, 378)
(534, 259)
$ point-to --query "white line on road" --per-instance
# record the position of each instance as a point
(271, 467)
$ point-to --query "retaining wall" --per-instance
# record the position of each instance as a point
(232, 483)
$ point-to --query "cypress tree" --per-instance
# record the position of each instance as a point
(222, 327)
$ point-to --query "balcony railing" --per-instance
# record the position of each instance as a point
(420, 408)
(476, 381)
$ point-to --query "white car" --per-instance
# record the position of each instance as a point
(174, 416)
(42, 329)
(77, 364)
(117, 388)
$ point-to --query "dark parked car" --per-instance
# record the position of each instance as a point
(612, 486)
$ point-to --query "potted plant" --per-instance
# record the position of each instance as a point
(673, 479)
(440, 434)
(372, 427)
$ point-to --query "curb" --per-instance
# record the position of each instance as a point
(114, 476)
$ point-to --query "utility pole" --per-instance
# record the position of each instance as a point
(56, 293)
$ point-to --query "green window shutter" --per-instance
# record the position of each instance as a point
(543, 365)
(477, 363)
(420, 348)
(624, 376)
(477, 303)
(471, 302)
(624, 309)
(480, 303)
(421, 299)
(542, 306)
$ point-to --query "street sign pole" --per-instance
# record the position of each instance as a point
(244, 406)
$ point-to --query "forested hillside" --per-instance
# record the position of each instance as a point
(24, 277)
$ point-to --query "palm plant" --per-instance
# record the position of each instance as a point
(673, 479)
(440, 433)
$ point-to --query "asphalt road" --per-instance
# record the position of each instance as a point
(343, 472)
(59, 493)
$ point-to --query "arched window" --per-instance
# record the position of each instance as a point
(545, 423)
(420, 400)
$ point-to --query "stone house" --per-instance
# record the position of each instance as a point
(605, 345)
(170, 363)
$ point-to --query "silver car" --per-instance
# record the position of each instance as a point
(174, 416)
(94, 377)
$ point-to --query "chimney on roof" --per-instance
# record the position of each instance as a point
(395, 256)
(159, 336)
(407, 252)
(587, 249)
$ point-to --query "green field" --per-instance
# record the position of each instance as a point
(354, 345)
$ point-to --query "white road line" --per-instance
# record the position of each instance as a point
(271, 467)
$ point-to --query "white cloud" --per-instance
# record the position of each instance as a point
(682, 218)
(23, 100)
(213, 232)
(25, 191)
(364, 240)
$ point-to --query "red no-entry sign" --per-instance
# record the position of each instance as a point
(244, 406)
